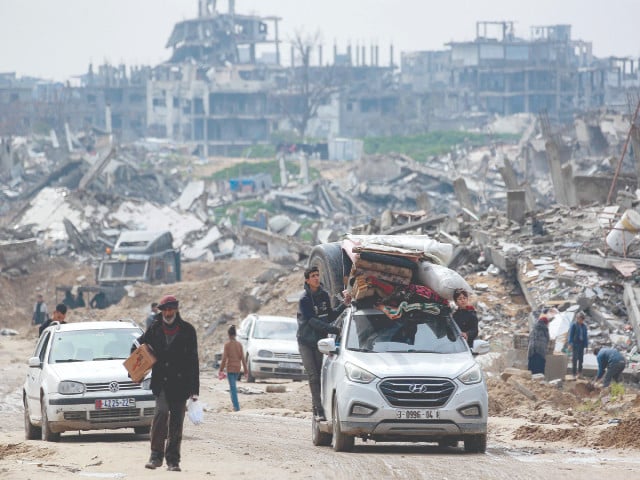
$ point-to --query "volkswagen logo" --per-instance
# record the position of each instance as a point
(114, 387)
(419, 388)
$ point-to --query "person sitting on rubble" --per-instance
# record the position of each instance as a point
(465, 316)
(69, 300)
(539, 342)
(537, 226)
(99, 301)
(80, 300)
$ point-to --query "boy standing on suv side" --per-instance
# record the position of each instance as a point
(314, 323)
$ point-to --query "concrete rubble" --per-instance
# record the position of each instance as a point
(533, 210)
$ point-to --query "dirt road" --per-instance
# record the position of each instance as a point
(270, 438)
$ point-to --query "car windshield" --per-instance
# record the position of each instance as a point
(420, 332)
(275, 330)
(89, 345)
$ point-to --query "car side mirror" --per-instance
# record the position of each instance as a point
(480, 347)
(34, 362)
(327, 346)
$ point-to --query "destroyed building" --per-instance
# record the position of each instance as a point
(224, 88)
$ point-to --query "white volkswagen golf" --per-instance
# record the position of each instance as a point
(77, 381)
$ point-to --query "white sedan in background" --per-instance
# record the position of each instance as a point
(271, 347)
(77, 381)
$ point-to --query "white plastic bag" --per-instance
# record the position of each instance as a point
(442, 280)
(195, 412)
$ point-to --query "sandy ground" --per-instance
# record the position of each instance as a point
(566, 431)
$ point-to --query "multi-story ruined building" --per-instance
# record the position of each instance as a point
(224, 88)
(504, 74)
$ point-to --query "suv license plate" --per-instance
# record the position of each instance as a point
(115, 403)
(417, 414)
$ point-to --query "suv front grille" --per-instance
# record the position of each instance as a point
(104, 387)
(417, 392)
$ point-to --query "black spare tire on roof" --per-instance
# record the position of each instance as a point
(334, 267)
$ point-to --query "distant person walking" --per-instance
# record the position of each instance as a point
(232, 360)
(152, 315)
(538, 343)
(578, 342)
(40, 312)
(611, 364)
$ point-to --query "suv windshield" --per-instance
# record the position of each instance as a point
(370, 330)
(89, 345)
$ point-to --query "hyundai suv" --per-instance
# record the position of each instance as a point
(409, 379)
(77, 381)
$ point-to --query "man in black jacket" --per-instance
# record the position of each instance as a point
(174, 378)
(314, 322)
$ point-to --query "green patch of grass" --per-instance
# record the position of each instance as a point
(617, 390)
(271, 167)
(421, 147)
(259, 151)
(589, 406)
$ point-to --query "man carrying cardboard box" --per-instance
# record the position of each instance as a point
(175, 377)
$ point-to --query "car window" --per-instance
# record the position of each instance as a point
(41, 347)
(275, 330)
(89, 345)
(413, 332)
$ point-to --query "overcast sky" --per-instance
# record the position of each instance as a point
(57, 39)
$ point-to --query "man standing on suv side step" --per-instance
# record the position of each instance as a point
(314, 322)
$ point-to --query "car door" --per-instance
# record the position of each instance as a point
(34, 375)
(331, 365)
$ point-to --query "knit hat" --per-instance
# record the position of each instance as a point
(168, 301)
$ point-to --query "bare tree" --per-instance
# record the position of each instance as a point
(309, 87)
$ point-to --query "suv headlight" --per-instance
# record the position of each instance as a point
(471, 376)
(357, 374)
(265, 353)
(67, 387)
(146, 384)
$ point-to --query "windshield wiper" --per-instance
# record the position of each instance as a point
(69, 360)
(359, 349)
(108, 358)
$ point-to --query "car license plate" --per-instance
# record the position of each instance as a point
(417, 414)
(115, 403)
(289, 365)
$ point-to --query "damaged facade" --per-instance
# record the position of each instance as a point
(224, 88)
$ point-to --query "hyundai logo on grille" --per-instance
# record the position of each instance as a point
(419, 388)
(114, 387)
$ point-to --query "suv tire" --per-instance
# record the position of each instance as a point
(319, 438)
(475, 443)
(341, 442)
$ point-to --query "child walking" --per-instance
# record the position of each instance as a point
(232, 360)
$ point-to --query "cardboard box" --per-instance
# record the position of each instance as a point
(140, 362)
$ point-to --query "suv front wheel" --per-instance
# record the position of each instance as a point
(341, 442)
(475, 443)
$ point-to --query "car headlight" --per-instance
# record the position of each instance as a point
(67, 387)
(265, 353)
(357, 374)
(146, 384)
(473, 375)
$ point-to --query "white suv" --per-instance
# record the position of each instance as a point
(410, 379)
(77, 381)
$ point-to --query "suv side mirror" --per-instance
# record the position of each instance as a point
(327, 346)
(34, 362)
(480, 347)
